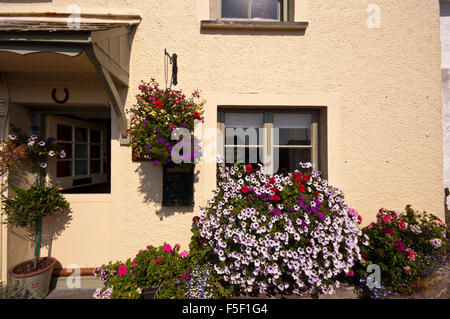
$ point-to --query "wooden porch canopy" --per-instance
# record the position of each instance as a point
(104, 38)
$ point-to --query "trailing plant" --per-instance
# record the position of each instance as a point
(28, 206)
(159, 115)
(408, 247)
(21, 146)
(283, 234)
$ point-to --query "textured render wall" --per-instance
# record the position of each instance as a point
(388, 87)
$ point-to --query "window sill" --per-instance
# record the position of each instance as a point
(253, 25)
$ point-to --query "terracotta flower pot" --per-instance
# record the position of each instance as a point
(36, 282)
(148, 293)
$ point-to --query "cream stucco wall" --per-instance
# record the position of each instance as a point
(382, 87)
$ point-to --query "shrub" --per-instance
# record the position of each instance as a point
(162, 268)
(283, 234)
(157, 114)
(28, 206)
(407, 247)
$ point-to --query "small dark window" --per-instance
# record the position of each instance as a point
(178, 185)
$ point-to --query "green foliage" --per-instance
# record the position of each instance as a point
(408, 247)
(28, 205)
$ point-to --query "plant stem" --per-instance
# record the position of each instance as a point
(38, 244)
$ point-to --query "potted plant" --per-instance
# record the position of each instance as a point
(26, 209)
(161, 119)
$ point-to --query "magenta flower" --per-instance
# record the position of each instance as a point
(122, 270)
(158, 260)
(183, 254)
(400, 246)
(167, 248)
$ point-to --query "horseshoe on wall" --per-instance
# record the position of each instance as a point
(66, 97)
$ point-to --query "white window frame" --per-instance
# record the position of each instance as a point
(267, 142)
(66, 183)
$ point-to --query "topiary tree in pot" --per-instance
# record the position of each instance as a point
(25, 209)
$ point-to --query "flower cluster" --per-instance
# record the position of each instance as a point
(407, 246)
(163, 268)
(289, 233)
(20, 146)
(160, 114)
(200, 284)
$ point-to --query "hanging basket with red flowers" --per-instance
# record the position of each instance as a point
(158, 121)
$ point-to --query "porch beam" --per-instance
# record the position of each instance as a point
(111, 89)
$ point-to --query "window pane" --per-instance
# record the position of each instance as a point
(293, 129)
(243, 128)
(234, 8)
(95, 136)
(81, 167)
(67, 148)
(247, 155)
(288, 158)
(265, 9)
(81, 151)
(95, 151)
(64, 169)
(80, 134)
(95, 167)
(64, 133)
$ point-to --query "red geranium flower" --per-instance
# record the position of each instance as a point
(248, 168)
(267, 185)
(359, 219)
(272, 180)
(297, 178)
(276, 198)
(274, 189)
(301, 188)
(386, 218)
(306, 177)
(197, 116)
(244, 189)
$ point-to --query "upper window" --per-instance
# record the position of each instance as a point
(85, 146)
(265, 10)
(250, 9)
(276, 139)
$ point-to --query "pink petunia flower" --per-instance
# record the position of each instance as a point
(183, 253)
(350, 274)
(122, 270)
(167, 248)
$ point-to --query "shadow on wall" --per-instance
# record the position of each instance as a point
(151, 186)
(53, 227)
